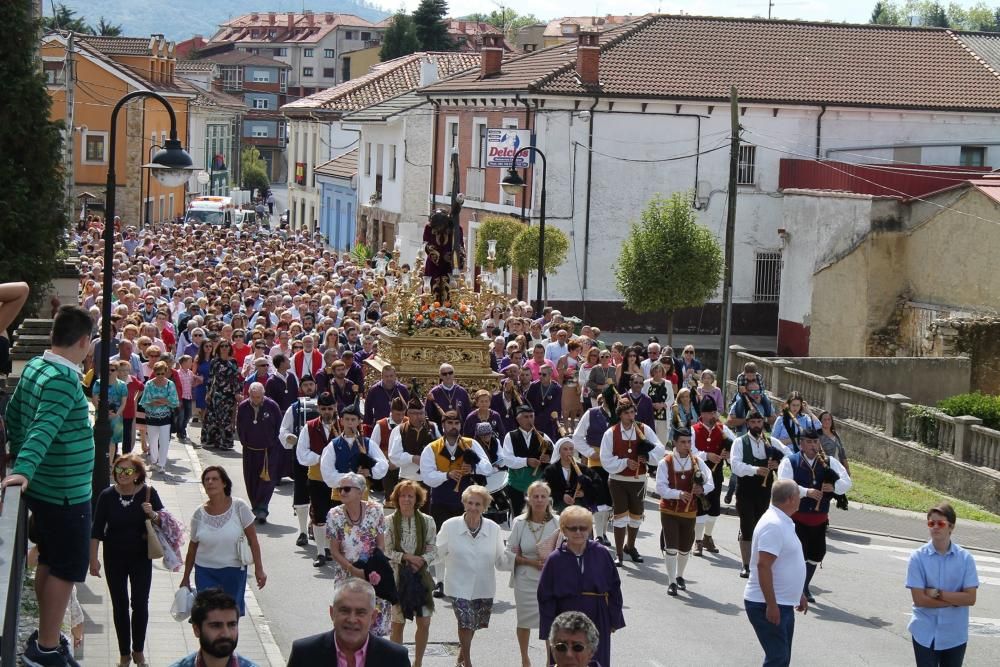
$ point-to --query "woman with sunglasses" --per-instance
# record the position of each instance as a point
(574, 640)
(224, 387)
(355, 529)
(159, 400)
(581, 576)
(120, 523)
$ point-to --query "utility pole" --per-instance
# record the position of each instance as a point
(727, 280)
(69, 76)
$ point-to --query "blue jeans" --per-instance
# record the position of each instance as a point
(776, 640)
(183, 415)
(931, 657)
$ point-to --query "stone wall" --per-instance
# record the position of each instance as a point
(977, 337)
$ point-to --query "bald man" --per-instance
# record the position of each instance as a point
(258, 421)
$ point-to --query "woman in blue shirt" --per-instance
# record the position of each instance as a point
(795, 418)
(942, 579)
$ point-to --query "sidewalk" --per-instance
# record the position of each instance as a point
(168, 640)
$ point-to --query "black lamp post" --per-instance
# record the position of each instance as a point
(513, 184)
(147, 205)
(172, 166)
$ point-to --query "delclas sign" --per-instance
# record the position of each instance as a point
(503, 143)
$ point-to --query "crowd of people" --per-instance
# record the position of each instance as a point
(408, 498)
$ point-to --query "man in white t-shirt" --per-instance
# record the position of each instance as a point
(777, 575)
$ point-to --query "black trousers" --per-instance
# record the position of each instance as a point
(300, 487)
(752, 500)
(129, 577)
(813, 539)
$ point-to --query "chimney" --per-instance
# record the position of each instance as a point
(291, 19)
(330, 18)
(491, 55)
(271, 18)
(588, 58)
(255, 17)
(428, 71)
(310, 18)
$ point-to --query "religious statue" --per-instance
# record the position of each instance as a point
(444, 242)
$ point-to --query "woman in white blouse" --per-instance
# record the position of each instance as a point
(410, 543)
(471, 548)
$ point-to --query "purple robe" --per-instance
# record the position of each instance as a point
(562, 587)
(643, 408)
(323, 381)
(344, 395)
(284, 393)
(442, 400)
(356, 374)
(545, 401)
(506, 413)
(258, 434)
(469, 428)
(379, 399)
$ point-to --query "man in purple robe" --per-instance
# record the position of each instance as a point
(258, 420)
(379, 397)
(282, 388)
(643, 403)
(447, 396)
(442, 250)
(545, 396)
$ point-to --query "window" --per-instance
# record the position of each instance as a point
(345, 70)
(329, 72)
(307, 53)
(368, 158)
(55, 75)
(481, 147)
(163, 203)
(254, 52)
(392, 162)
(452, 135)
(280, 52)
(908, 154)
(528, 48)
(262, 76)
(95, 147)
(379, 152)
(366, 36)
(349, 34)
(259, 131)
(328, 53)
(307, 71)
(767, 276)
(232, 78)
(746, 171)
(973, 156)
(260, 103)
(283, 80)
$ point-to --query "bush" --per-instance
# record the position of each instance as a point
(979, 405)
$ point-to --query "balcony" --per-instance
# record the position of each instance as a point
(475, 183)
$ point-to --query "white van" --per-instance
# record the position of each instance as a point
(212, 210)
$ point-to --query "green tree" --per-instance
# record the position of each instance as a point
(253, 170)
(105, 29)
(668, 261)
(524, 252)
(400, 37)
(430, 26)
(932, 14)
(885, 13)
(32, 217)
(64, 18)
(503, 229)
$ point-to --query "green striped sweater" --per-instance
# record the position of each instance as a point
(50, 434)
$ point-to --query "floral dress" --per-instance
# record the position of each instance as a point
(224, 388)
(358, 542)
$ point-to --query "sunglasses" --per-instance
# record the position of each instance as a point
(198, 336)
(562, 647)
(345, 489)
(123, 471)
(444, 373)
(577, 529)
(939, 523)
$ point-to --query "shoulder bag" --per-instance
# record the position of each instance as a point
(154, 549)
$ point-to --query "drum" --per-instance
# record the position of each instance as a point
(499, 509)
(496, 482)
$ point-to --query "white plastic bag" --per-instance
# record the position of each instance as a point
(183, 601)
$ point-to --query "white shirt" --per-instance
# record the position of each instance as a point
(681, 465)
(376, 437)
(580, 436)
(742, 469)
(398, 456)
(775, 534)
(328, 463)
(303, 453)
(507, 457)
(432, 477)
(615, 465)
(286, 435)
(216, 536)
(840, 487)
(470, 563)
(670, 391)
(645, 365)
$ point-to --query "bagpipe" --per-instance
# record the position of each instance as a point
(772, 453)
(471, 459)
(830, 476)
(543, 449)
(699, 479)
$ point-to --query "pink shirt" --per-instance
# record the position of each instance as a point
(186, 378)
(359, 655)
(535, 367)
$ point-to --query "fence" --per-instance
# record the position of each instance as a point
(13, 556)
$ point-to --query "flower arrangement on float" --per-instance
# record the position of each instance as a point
(416, 316)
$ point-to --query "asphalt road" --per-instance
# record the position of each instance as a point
(859, 618)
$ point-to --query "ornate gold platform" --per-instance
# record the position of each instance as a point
(421, 355)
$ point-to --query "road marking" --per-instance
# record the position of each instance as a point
(905, 550)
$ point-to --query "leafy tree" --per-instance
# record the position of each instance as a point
(64, 18)
(668, 261)
(934, 15)
(106, 29)
(400, 38)
(506, 19)
(503, 229)
(885, 13)
(254, 170)
(524, 251)
(430, 26)
(32, 216)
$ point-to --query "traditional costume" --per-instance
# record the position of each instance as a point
(444, 399)
(546, 399)
(257, 427)
(309, 450)
(378, 401)
(283, 390)
(587, 443)
(710, 439)
(408, 440)
(292, 424)
(518, 446)
(350, 453)
(380, 437)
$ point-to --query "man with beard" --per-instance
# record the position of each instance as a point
(378, 400)
(292, 424)
(216, 623)
(344, 391)
(407, 441)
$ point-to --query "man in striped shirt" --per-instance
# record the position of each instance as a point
(52, 441)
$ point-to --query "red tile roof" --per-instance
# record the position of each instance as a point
(385, 81)
(301, 30)
(345, 166)
(119, 46)
(699, 58)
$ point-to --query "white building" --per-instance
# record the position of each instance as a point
(213, 129)
(643, 109)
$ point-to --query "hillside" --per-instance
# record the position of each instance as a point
(181, 19)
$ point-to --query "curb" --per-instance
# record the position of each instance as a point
(256, 615)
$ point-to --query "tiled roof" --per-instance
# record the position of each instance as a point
(301, 31)
(195, 66)
(387, 109)
(214, 98)
(344, 166)
(244, 58)
(385, 81)
(699, 58)
(554, 27)
(177, 87)
(119, 46)
(984, 45)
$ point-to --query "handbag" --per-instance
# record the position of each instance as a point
(154, 549)
(243, 553)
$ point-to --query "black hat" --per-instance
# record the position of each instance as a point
(325, 400)
(306, 378)
(415, 405)
(524, 409)
(708, 405)
(398, 404)
(350, 409)
(681, 433)
(809, 434)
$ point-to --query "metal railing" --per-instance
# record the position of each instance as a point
(13, 558)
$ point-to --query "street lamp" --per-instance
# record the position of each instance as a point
(171, 166)
(513, 184)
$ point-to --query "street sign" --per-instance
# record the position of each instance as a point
(502, 143)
